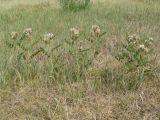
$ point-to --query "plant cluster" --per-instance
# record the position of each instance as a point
(74, 5)
(137, 57)
(69, 60)
(136, 53)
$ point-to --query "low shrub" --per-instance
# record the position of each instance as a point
(75, 5)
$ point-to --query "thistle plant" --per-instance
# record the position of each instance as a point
(81, 52)
(136, 54)
(28, 53)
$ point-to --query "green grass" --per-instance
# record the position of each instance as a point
(77, 90)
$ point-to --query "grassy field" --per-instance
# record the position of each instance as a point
(76, 75)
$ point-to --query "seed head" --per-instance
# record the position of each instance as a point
(28, 33)
(142, 47)
(95, 31)
(14, 35)
(151, 39)
(74, 33)
(47, 37)
(133, 38)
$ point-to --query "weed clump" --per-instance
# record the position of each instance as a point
(136, 53)
(74, 5)
(76, 56)
(136, 63)
(72, 61)
(137, 57)
(28, 55)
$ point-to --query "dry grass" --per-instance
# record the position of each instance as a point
(77, 102)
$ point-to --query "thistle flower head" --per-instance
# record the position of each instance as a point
(14, 35)
(95, 30)
(133, 38)
(142, 47)
(28, 33)
(74, 33)
(95, 27)
(150, 39)
(47, 37)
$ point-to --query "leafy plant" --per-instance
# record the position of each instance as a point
(137, 57)
(74, 5)
(70, 63)
(79, 54)
(28, 55)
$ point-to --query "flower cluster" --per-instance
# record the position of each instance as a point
(47, 37)
(149, 42)
(136, 42)
(143, 47)
(135, 52)
(30, 50)
(136, 55)
(28, 33)
(14, 35)
(133, 38)
(74, 33)
(95, 31)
